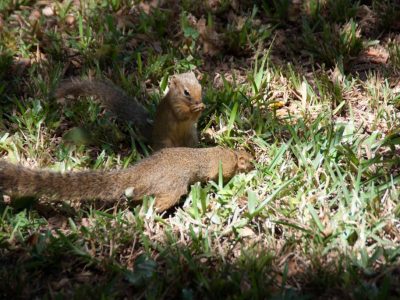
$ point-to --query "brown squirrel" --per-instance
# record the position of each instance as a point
(176, 116)
(166, 175)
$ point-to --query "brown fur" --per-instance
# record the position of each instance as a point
(166, 175)
(176, 116)
(113, 98)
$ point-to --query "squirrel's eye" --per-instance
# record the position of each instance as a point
(186, 92)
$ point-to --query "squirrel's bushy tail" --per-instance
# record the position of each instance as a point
(112, 97)
(19, 181)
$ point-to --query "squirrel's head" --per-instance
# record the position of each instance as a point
(186, 86)
(244, 161)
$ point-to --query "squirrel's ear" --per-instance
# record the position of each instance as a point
(172, 81)
(193, 75)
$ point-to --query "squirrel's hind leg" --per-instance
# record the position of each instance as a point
(165, 201)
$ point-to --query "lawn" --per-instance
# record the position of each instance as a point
(311, 88)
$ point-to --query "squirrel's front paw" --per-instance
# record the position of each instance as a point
(197, 107)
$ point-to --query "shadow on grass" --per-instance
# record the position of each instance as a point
(68, 256)
(61, 267)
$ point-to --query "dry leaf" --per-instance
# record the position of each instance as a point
(61, 284)
(70, 20)
(34, 16)
(86, 222)
(33, 239)
(6, 199)
(211, 40)
(48, 11)
(58, 221)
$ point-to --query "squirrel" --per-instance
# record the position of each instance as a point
(166, 175)
(175, 122)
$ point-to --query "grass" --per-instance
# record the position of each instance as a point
(311, 89)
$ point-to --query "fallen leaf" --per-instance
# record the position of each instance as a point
(48, 11)
(211, 40)
(6, 199)
(58, 221)
(33, 239)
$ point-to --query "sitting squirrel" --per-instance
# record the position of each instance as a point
(175, 122)
(166, 175)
